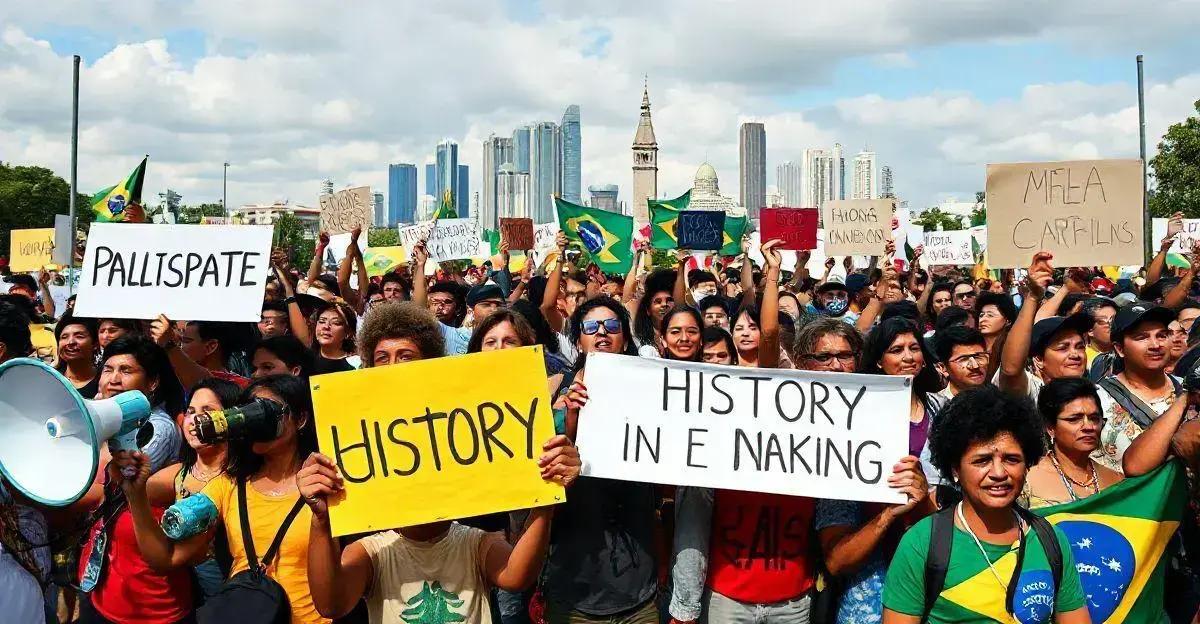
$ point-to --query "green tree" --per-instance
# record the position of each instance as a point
(193, 214)
(382, 237)
(292, 235)
(433, 605)
(933, 217)
(30, 197)
(1176, 170)
(979, 214)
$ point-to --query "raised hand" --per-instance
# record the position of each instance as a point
(138, 464)
(1041, 273)
(772, 256)
(317, 480)
(560, 460)
(162, 331)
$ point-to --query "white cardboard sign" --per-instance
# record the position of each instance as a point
(800, 433)
(187, 272)
(951, 247)
(450, 239)
(1184, 240)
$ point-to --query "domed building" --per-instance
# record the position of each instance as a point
(706, 194)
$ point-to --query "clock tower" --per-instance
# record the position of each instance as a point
(645, 163)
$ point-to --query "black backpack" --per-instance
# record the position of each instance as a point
(251, 596)
(941, 540)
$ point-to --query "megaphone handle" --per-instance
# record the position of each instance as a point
(124, 442)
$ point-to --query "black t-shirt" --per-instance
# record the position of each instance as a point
(324, 365)
(602, 558)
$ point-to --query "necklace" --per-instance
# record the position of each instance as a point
(961, 518)
(1093, 483)
(203, 477)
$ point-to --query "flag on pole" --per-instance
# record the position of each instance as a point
(446, 209)
(122, 203)
(606, 236)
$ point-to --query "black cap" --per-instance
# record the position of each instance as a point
(1045, 329)
(483, 292)
(1130, 315)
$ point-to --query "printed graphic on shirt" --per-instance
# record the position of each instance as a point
(433, 605)
(775, 537)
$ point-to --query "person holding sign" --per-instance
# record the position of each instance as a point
(999, 563)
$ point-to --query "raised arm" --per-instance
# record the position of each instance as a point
(314, 267)
(353, 259)
(1050, 306)
(748, 289)
(679, 292)
(768, 350)
(1179, 294)
(159, 551)
(1174, 226)
(1152, 447)
(1016, 346)
(337, 579)
(420, 292)
(296, 320)
(48, 307)
(162, 330)
(549, 305)
(629, 291)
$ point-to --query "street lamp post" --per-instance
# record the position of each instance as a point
(225, 189)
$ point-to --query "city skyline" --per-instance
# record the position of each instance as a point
(937, 99)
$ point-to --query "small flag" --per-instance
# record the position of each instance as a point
(446, 209)
(380, 260)
(122, 203)
(665, 212)
(606, 236)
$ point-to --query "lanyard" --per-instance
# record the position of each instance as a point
(1010, 590)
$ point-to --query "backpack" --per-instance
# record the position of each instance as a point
(941, 541)
(251, 596)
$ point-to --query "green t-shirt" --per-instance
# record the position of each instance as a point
(971, 593)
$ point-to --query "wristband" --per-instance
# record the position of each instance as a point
(289, 300)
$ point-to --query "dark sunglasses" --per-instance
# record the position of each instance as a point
(611, 326)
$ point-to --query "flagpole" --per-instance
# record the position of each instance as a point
(1146, 229)
(74, 167)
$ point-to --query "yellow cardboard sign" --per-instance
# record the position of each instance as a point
(439, 439)
(31, 249)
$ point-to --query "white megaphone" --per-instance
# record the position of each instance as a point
(50, 436)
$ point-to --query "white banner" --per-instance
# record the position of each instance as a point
(450, 239)
(801, 433)
(187, 272)
(951, 247)
(1183, 240)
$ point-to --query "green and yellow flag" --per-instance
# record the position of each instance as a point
(1118, 539)
(446, 209)
(665, 212)
(122, 203)
(606, 236)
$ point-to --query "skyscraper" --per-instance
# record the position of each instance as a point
(789, 177)
(431, 179)
(837, 172)
(545, 167)
(496, 151)
(866, 176)
(604, 196)
(571, 155)
(512, 191)
(402, 194)
(520, 147)
(462, 194)
(645, 163)
(886, 187)
(447, 170)
(752, 166)
(817, 183)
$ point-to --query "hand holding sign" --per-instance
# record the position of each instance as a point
(318, 480)
(770, 251)
(1041, 274)
(908, 477)
(1174, 227)
(560, 461)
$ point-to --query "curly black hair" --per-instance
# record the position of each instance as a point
(978, 415)
(400, 319)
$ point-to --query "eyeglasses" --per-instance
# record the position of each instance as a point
(1075, 421)
(972, 359)
(1102, 322)
(844, 357)
(611, 326)
(964, 296)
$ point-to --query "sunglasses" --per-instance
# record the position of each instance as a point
(611, 326)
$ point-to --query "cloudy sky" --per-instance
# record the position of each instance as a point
(291, 92)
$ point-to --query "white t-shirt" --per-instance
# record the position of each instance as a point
(440, 581)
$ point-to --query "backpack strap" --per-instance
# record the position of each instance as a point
(937, 560)
(1049, 540)
(248, 537)
(1138, 410)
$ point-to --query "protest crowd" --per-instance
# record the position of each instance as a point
(1032, 389)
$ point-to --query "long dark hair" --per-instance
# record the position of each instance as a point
(662, 280)
(930, 315)
(227, 395)
(591, 304)
(169, 394)
(882, 337)
(289, 350)
(241, 462)
(537, 321)
(520, 326)
(666, 321)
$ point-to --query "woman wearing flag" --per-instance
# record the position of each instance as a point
(1070, 410)
(984, 559)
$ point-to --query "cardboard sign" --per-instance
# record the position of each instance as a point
(801, 433)
(345, 210)
(1086, 213)
(796, 227)
(446, 239)
(700, 229)
(857, 227)
(948, 248)
(517, 232)
(467, 444)
(1184, 240)
(30, 250)
(187, 272)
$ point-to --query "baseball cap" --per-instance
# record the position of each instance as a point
(833, 283)
(1045, 329)
(856, 282)
(1138, 312)
(483, 292)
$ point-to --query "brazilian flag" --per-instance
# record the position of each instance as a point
(122, 203)
(665, 212)
(446, 209)
(1118, 539)
(606, 236)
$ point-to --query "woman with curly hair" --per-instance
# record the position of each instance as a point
(985, 440)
